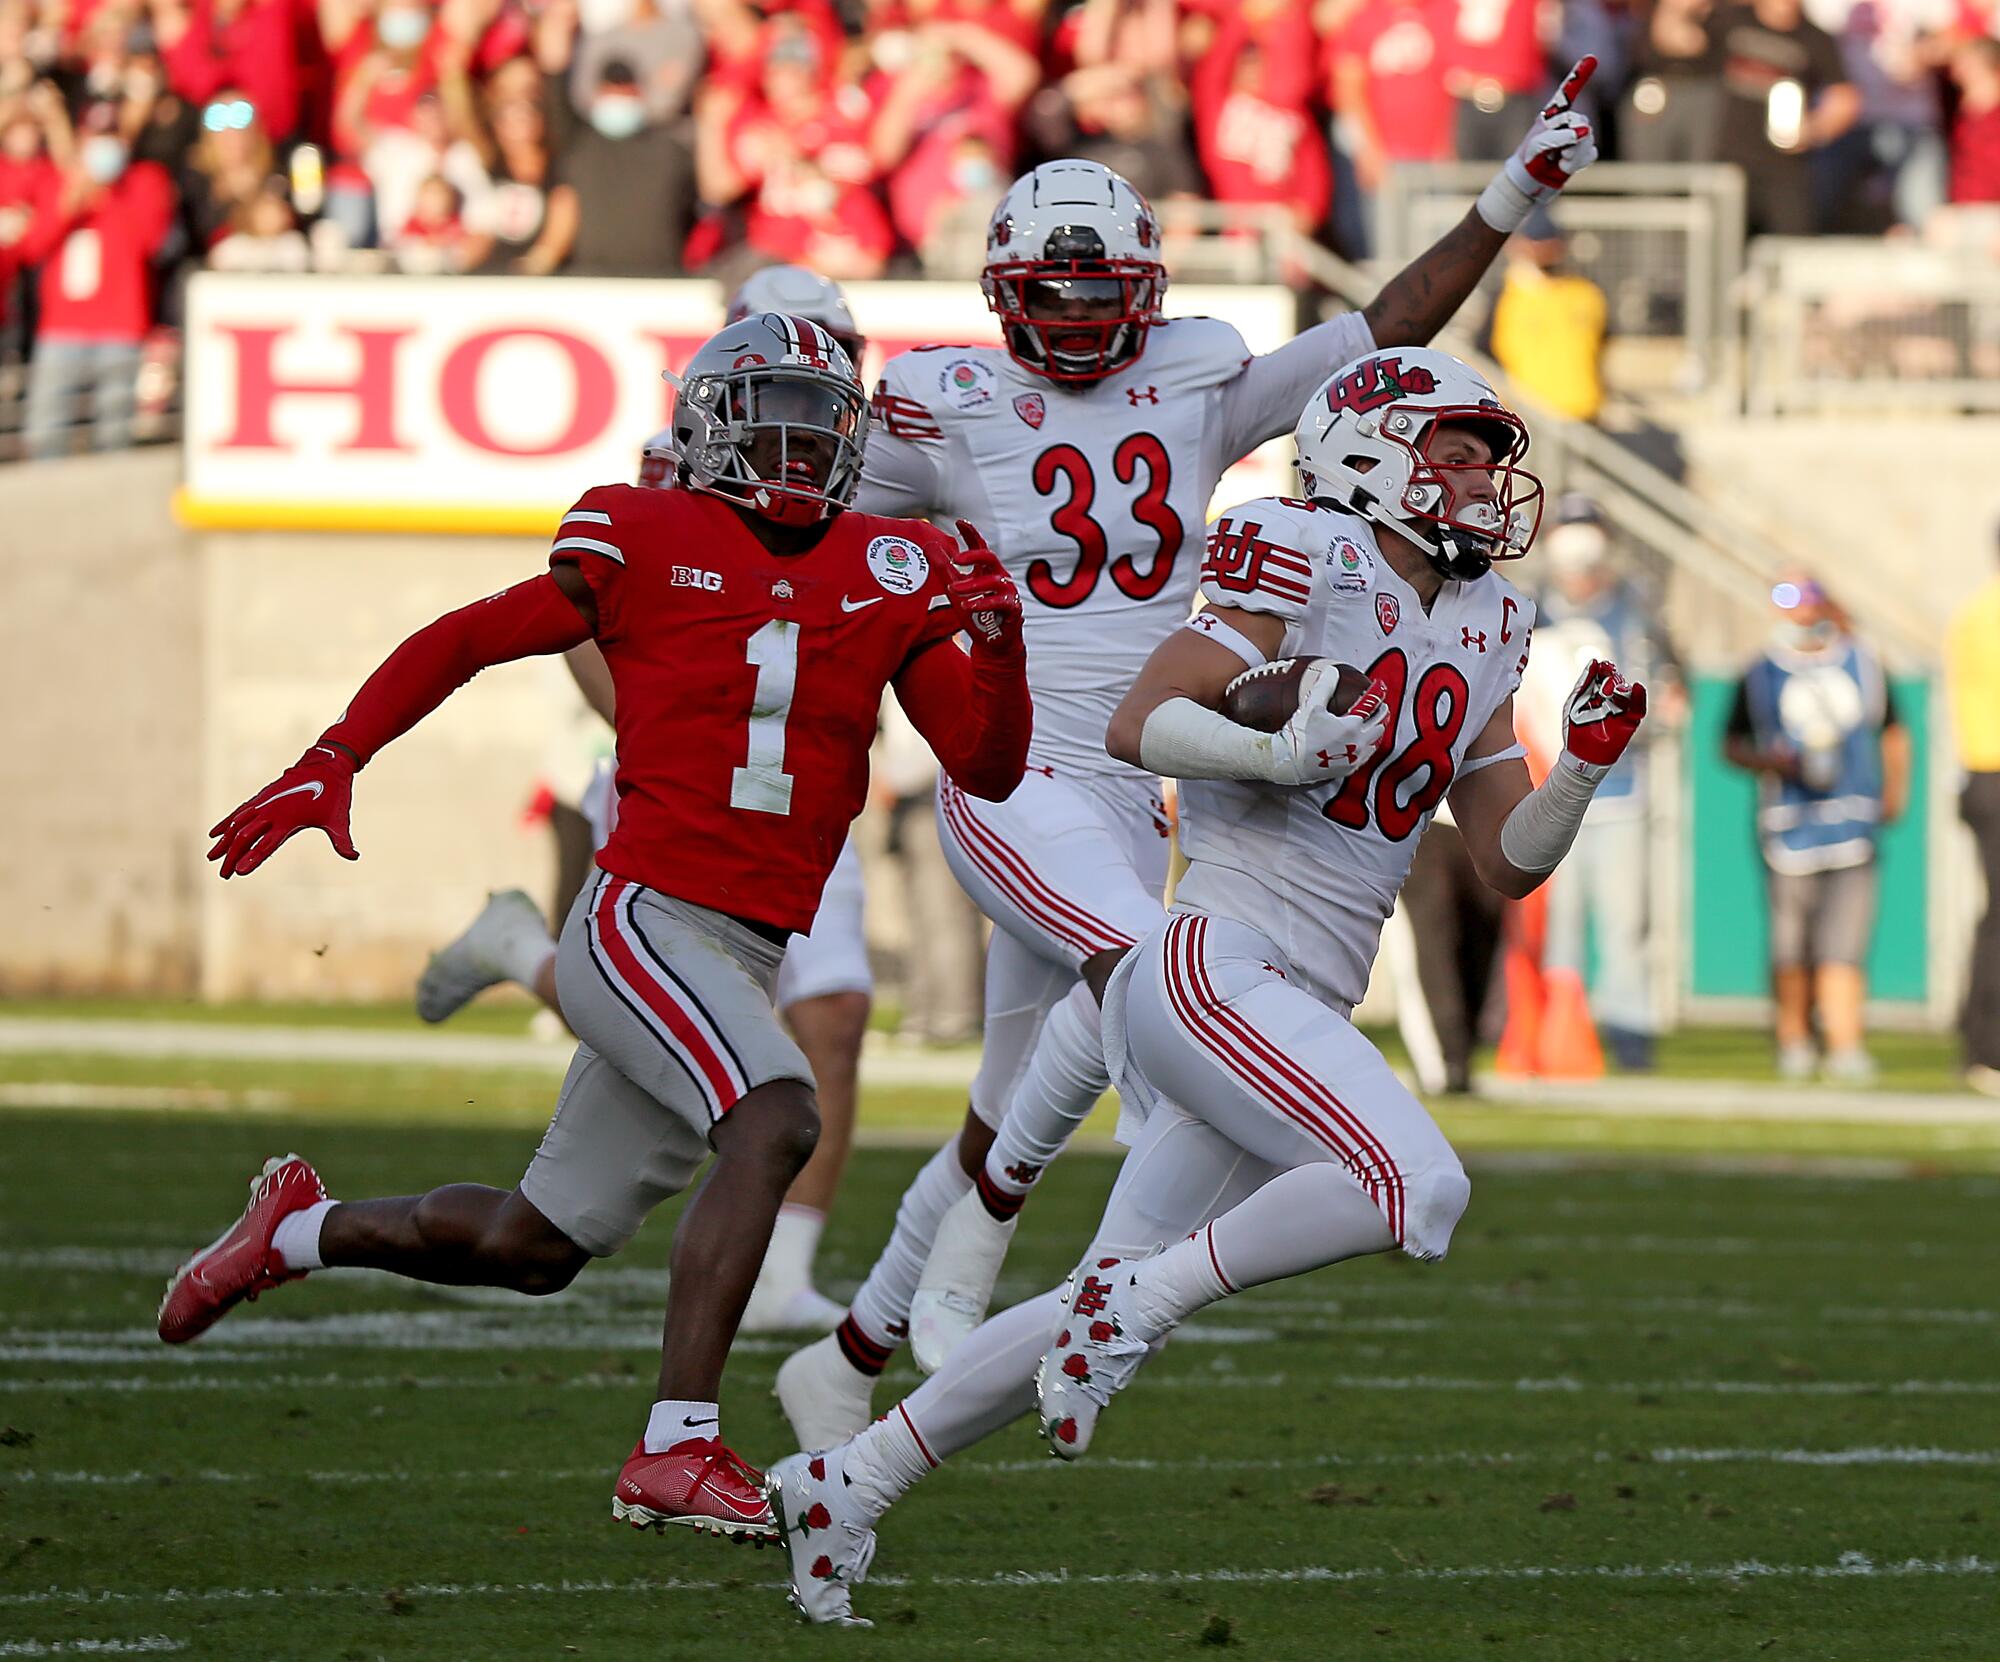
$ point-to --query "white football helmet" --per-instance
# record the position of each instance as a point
(799, 292)
(1364, 444)
(1073, 271)
(771, 416)
(659, 461)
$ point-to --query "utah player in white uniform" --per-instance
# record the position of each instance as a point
(1090, 447)
(825, 985)
(1267, 1125)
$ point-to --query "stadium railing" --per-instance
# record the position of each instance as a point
(1870, 324)
(1665, 243)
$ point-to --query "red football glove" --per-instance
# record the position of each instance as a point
(984, 595)
(316, 790)
(1603, 712)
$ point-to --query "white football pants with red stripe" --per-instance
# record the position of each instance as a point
(1204, 1013)
(1069, 866)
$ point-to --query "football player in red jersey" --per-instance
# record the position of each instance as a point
(750, 622)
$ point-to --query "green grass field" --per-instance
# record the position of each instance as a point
(1646, 1410)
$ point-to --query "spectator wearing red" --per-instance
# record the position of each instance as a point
(964, 80)
(98, 223)
(1975, 129)
(1389, 63)
(381, 68)
(803, 216)
(207, 45)
(1498, 73)
(1016, 23)
(793, 155)
(24, 166)
(740, 32)
(1254, 126)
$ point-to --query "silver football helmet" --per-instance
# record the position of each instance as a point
(771, 417)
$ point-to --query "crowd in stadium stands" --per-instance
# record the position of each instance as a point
(140, 138)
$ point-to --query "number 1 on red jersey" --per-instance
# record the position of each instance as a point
(763, 786)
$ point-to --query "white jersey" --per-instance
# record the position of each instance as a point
(1094, 497)
(1317, 868)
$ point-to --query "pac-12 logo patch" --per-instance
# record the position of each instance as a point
(968, 384)
(1031, 407)
(899, 565)
(1388, 613)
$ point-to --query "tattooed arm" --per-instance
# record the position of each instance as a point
(1420, 299)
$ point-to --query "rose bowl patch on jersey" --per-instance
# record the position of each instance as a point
(899, 565)
(968, 383)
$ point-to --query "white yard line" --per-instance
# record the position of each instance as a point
(149, 1644)
(1470, 1458)
(1851, 1565)
(1204, 1379)
(888, 1064)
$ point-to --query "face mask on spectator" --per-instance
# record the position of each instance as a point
(617, 116)
(103, 157)
(972, 174)
(402, 29)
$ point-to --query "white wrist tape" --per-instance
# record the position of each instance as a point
(1186, 740)
(1537, 834)
(1504, 205)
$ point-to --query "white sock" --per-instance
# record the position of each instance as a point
(524, 956)
(1301, 1220)
(885, 1461)
(881, 1309)
(296, 1239)
(1060, 1085)
(788, 1260)
(674, 1422)
(989, 1380)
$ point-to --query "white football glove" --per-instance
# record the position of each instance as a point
(1317, 747)
(1560, 145)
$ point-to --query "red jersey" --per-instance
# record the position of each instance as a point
(747, 685)
(1498, 41)
(1405, 46)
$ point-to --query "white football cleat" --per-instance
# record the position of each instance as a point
(957, 1284)
(825, 1396)
(509, 930)
(801, 1310)
(1096, 1353)
(829, 1540)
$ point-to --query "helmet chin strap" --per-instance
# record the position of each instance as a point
(1459, 556)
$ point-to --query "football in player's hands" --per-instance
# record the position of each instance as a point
(1267, 697)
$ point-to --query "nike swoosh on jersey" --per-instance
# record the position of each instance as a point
(849, 604)
(312, 788)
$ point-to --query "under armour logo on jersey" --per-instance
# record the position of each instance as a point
(1470, 637)
(1137, 395)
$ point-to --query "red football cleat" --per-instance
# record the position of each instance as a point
(702, 1484)
(239, 1264)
